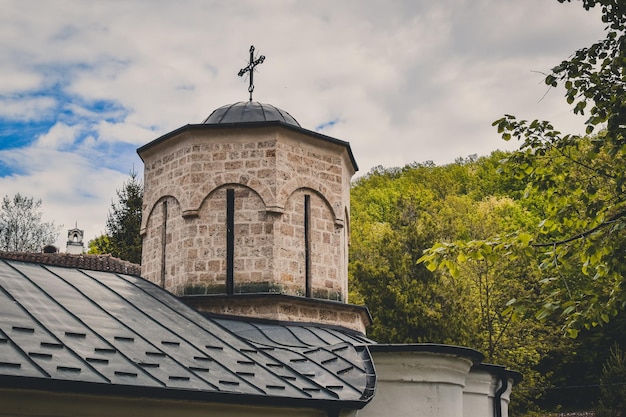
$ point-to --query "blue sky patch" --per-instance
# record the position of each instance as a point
(69, 109)
(15, 134)
(326, 125)
(6, 170)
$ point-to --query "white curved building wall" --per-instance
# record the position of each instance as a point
(418, 384)
(478, 394)
(435, 384)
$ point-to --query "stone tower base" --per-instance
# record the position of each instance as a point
(283, 308)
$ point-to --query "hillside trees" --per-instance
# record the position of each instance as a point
(455, 210)
(389, 232)
(550, 244)
(397, 213)
(21, 226)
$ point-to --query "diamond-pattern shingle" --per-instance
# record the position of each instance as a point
(111, 329)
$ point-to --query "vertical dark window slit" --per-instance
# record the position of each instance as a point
(163, 244)
(230, 241)
(307, 245)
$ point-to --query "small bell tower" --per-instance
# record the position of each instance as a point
(75, 244)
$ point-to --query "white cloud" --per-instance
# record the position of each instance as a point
(72, 189)
(16, 80)
(58, 137)
(27, 108)
(406, 81)
(124, 132)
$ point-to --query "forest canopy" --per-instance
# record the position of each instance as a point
(485, 296)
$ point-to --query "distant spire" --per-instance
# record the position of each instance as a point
(250, 68)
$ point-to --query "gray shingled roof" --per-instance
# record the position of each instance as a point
(100, 330)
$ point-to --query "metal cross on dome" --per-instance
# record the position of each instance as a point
(250, 68)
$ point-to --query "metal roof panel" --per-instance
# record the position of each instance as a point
(84, 326)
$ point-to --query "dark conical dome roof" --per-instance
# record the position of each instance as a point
(249, 111)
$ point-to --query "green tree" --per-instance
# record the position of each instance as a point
(575, 366)
(383, 272)
(21, 226)
(397, 213)
(580, 243)
(100, 244)
(124, 221)
(484, 283)
(613, 385)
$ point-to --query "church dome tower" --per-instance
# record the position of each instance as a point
(247, 213)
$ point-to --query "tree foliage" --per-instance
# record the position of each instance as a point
(580, 242)
(122, 238)
(100, 244)
(512, 259)
(613, 385)
(21, 226)
(478, 284)
(581, 239)
(398, 213)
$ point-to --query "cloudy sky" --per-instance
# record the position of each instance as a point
(84, 83)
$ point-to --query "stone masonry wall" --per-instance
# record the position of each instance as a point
(189, 167)
(153, 245)
(270, 169)
(326, 248)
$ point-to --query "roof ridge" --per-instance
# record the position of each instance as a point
(94, 262)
